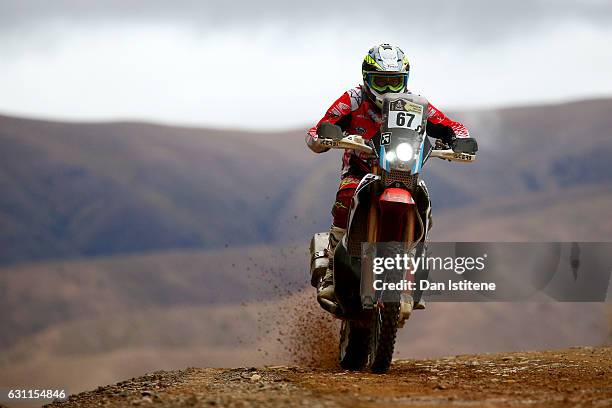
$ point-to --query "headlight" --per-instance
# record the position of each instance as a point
(404, 152)
(390, 156)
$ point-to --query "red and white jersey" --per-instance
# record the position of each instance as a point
(357, 115)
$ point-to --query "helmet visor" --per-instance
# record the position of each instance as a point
(391, 82)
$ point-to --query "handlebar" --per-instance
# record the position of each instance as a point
(357, 143)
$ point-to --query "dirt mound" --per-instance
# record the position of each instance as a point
(573, 377)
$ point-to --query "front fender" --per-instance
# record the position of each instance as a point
(396, 207)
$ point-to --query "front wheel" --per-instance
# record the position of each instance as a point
(354, 345)
(382, 340)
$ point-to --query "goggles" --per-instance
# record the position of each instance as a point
(382, 83)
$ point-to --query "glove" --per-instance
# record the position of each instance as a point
(464, 145)
(327, 130)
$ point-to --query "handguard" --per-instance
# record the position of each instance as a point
(453, 156)
(354, 142)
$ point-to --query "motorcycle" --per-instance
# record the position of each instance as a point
(384, 209)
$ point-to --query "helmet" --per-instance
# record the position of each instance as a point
(385, 69)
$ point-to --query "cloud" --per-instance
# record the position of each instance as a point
(277, 64)
(461, 20)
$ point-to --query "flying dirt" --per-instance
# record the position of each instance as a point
(571, 377)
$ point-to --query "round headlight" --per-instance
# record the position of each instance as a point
(390, 156)
(404, 152)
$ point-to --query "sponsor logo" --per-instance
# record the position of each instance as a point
(328, 142)
(338, 110)
(398, 105)
(385, 138)
(413, 107)
(343, 107)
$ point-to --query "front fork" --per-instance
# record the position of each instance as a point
(392, 217)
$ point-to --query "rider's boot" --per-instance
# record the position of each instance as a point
(325, 291)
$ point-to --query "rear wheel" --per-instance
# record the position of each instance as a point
(354, 345)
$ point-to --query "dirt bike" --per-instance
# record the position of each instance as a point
(384, 209)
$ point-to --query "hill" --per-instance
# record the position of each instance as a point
(89, 189)
(79, 190)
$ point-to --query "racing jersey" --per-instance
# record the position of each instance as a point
(357, 115)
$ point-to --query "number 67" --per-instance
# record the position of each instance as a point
(400, 120)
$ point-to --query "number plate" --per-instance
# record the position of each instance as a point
(410, 117)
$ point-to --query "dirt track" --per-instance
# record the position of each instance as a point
(574, 377)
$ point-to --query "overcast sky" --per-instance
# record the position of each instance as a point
(279, 64)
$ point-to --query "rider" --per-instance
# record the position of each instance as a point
(385, 70)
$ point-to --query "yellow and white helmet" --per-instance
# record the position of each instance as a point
(385, 69)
